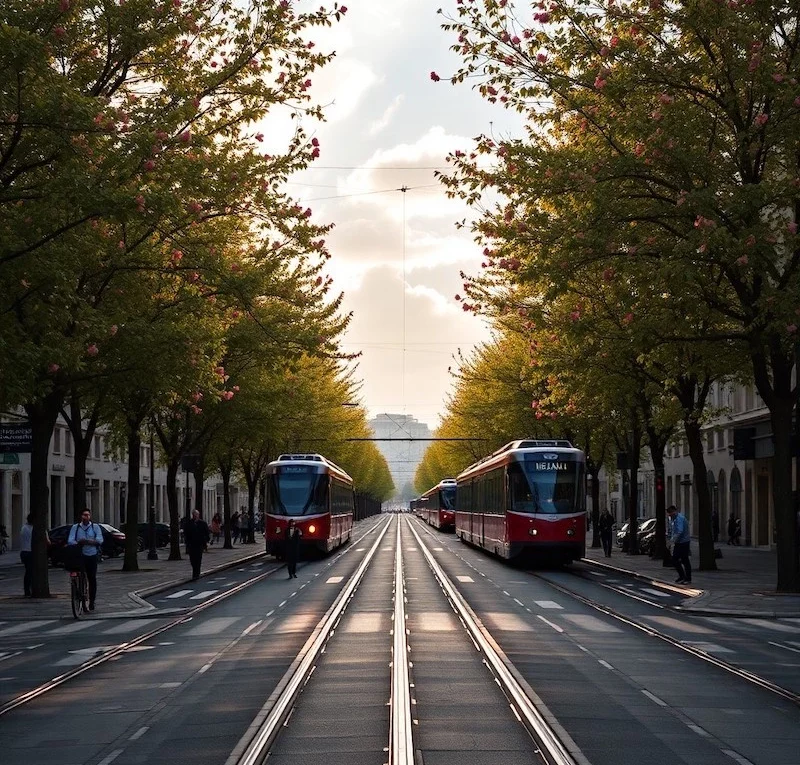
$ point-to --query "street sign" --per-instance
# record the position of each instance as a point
(16, 437)
(10, 458)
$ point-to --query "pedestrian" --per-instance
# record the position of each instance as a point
(292, 547)
(216, 528)
(681, 542)
(197, 537)
(732, 529)
(235, 527)
(605, 525)
(737, 533)
(89, 537)
(244, 528)
(26, 555)
(715, 524)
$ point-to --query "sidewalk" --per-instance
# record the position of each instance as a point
(118, 592)
(742, 585)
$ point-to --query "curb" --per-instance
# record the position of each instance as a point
(677, 588)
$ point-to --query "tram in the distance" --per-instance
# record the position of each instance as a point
(437, 505)
(526, 501)
(315, 492)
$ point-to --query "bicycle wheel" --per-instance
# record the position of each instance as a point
(77, 595)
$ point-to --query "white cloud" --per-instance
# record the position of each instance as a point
(379, 124)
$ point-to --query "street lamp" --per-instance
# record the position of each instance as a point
(152, 554)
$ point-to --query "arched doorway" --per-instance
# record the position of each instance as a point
(736, 495)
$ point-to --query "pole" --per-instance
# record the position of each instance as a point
(152, 554)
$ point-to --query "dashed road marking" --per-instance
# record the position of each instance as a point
(334, 580)
(179, 594)
(591, 623)
(548, 604)
(203, 595)
(658, 593)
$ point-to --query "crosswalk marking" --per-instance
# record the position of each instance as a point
(366, 622)
(179, 593)
(435, 621)
(127, 626)
(334, 580)
(214, 626)
(547, 604)
(203, 595)
(591, 623)
(465, 579)
(659, 593)
(70, 628)
(770, 625)
(25, 627)
(706, 647)
(509, 622)
(679, 624)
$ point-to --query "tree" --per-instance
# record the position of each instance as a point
(663, 134)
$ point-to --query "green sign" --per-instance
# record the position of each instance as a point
(9, 459)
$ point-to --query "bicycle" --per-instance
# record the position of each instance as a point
(79, 593)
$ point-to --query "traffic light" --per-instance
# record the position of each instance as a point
(659, 482)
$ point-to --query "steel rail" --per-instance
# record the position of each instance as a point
(253, 747)
(554, 750)
(401, 741)
(106, 656)
(744, 674)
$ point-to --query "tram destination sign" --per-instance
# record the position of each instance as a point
(16, 437)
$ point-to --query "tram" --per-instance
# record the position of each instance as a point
(437, 505)
(526, 501)
(315, 492)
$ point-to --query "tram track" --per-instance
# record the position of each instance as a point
(112, 654)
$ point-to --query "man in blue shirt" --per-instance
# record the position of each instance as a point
(681, 540)
(89, 537)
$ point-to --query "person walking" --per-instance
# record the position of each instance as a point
(26, 555)
(235, 527)
(89, 537)
(197, 537)
(244, 528)
(731, 529)
(605, 525)
(681, 541)
(216, 528)
(292, 548)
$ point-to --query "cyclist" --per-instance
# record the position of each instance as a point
(88, 536)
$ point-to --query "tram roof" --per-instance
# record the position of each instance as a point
(316, 460)
(524, 445)
(445, 483)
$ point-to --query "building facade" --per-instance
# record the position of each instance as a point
(409, 440)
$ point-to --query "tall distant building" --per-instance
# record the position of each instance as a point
(402, 456)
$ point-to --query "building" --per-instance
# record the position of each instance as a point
(106, 486)
(403, 453)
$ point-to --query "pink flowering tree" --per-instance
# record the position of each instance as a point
(663, 136)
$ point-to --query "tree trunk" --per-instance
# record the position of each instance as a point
(787, 519)
(594, 472)
(657, 441)
(131, 562)
(634, 452)
(83, 444)
(705, 531)
(225, 470)
(174, 510)
(199, 476)
(42, 416)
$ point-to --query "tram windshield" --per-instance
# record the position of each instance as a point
(298, 490)
(550, 487)
(447, 497)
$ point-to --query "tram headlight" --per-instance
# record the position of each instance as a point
(533, 532)
(570, 532)
(277, 529)
(312, 528)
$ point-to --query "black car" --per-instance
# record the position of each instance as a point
(113, 542)
(162, 535)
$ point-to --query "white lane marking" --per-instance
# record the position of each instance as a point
(785, 647)
(604, 663)
(81, 655)
(706, 647)
(4, 656)
(269, 613)
(26, 627)
(597, 573)
(437, 549)
(658, 593)
(548, 604)
(360, 549)
(169, 685)
(655, 698)
(411, 549)
(213, 626)
(519, 602)
(334, 580)
(204, 668)
(465, 579)
(549, 623)
(179, 594)
(249, 629)
(737, 757)
(203, 595)
(591, 623)
(698, 730)
(139, 733)
(111, 757)
(70, 628)
(127, 626)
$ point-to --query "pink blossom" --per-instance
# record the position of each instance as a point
(197, 396)
(541, 57)
(315, 153)
(196, 409)
(791, 328)
(63, 6)
(315, 142)
(53, 368)
(113, 329)
(220, 371)
(176, 256)
(778, 77)
(742, 261)
(792, 227)
(149, 165)
(761, 119)
(227, 395)
(599, 83)
(638, 150)
(59, 31)
(665, 98)
(750, 241)
(343, 9)
(627, 319)
(575, 315)
(259, 137)
(92, 350)
(185, 136)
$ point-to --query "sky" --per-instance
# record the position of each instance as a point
(396, 255)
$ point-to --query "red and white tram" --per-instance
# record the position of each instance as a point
(437, 506)
(315, 492)
(526, 500)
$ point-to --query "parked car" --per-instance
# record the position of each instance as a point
(621, 534)
(162, 535)
(113, 542)
(645, 534)
(643, 528)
